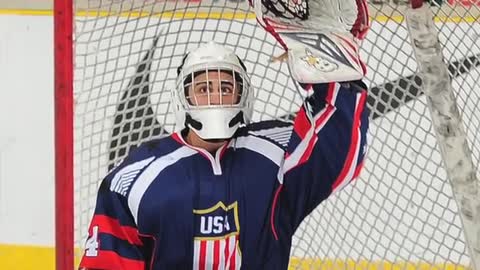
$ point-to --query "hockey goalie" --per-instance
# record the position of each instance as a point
(222, 192)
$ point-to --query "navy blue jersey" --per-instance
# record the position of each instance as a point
(173, 206)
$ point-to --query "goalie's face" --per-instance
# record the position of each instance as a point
(214, 88)
(213, 96)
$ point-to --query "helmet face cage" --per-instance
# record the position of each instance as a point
(212, 85)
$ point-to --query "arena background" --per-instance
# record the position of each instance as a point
(26, 136)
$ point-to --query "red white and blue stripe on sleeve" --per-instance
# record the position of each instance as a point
(307, 124)
(326, 148)
(312, 118)
(114, 241)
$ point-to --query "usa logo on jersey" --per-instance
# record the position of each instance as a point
(216, 237)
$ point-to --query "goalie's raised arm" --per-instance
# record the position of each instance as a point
(328, 142)
(326, 149)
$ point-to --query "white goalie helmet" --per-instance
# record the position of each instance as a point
(213, 95)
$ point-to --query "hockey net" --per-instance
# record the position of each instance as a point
(400, 213)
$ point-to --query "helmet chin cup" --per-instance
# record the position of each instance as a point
(215, 123)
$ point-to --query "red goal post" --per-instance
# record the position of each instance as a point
(401, 213)
(64, 149)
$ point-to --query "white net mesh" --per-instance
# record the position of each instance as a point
(400, 213)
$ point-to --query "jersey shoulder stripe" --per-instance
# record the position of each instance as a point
(124, 175)
(123, 179)
(150, 173)
(275, 131)
(278, 135)
(260, 145)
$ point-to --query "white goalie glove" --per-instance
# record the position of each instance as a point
(320, 36)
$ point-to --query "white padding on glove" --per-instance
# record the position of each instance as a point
(318, 35)
(332, 60)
